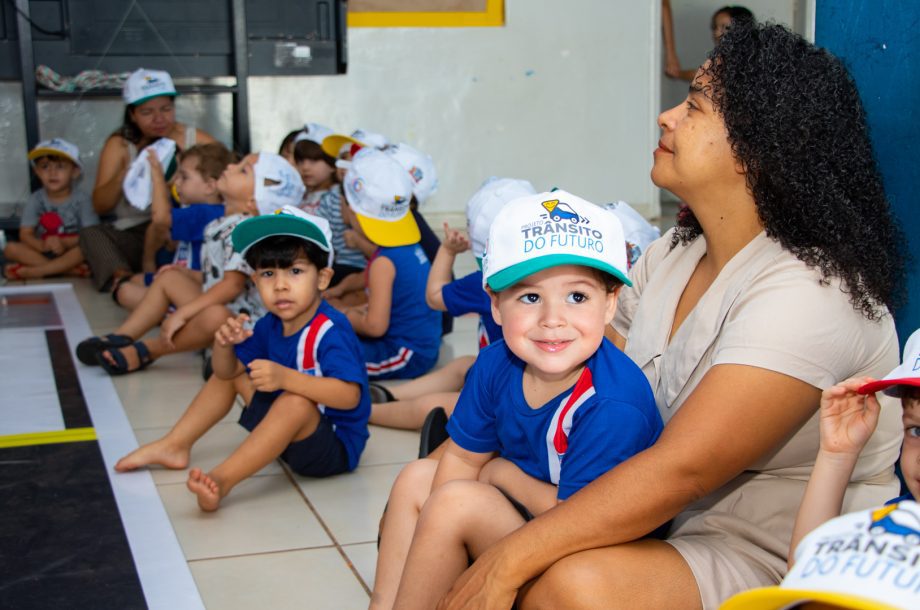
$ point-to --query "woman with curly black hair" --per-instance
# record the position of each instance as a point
(777, 283)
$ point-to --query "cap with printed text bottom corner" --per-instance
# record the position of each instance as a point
(56, 147)
(485, 204)
(906, 374)
(420, 167)
(332, 144)
(546, 230)
(866, 560)
(289, 220)
(379, 190)
(143, 85)
(277, 183)
(313, 132)
(138, 183)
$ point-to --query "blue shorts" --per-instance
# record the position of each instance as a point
(388, 360)
(321, 454)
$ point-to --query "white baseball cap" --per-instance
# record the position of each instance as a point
(906, 374)
(138, 182)
(867, 560)
(546, 230)
(420, 168)
(277, 183)
(639, 232)
(332, 145)
(143, 85)
(314, 132)
(485, 204)
(379, 190)
(56, 147)
(288, 220)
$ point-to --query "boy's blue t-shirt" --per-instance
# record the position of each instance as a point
(326, 347)
(466, 295)
(188, 225)
(609, 416)
(412, 323)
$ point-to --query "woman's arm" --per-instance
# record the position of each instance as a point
(736, 415)
(113, 165)
(375, 321)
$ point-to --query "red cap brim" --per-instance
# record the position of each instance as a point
(881, 384)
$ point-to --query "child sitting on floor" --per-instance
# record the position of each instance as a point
(400, 334)
(308, 400)
(182, 228)
(849, 416)
(407, 405)
(48, 242)
(259, 184)
(543, 413)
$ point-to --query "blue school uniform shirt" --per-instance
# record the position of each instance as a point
(326, 347)
(413, 324)
(188, 225)
(607, 417)
(467, 295)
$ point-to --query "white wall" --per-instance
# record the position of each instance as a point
(565, 94)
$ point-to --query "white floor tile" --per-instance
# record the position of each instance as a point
(364, 558)
(389, 446)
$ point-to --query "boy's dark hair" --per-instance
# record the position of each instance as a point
(280, 251)
(213, 158)
(288, 141)
(310, 150)
(610, 282)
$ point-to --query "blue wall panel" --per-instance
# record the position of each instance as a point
(878, 41)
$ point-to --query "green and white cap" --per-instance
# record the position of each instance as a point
(547, 230)
(143, 85)
(288, 220)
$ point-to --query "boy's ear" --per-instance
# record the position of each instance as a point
(324, 277)
(611, 308)
(496, 315)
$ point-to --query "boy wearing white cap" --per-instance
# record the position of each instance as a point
(259, 184)
(849, 416)
(48, 241)
(542, 414)
(400, 334)
(299, 369)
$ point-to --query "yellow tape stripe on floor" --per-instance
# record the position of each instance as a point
(73, 435)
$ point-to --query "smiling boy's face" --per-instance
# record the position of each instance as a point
(554, 320)
(910, 450)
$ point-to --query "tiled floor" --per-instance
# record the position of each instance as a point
(279, 540)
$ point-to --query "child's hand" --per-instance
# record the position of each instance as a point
(156, 170)
(266, 376)
(847, 418)
(233, 331)
(351, 238)
(455, 241)
(171, 325)
(53, 244)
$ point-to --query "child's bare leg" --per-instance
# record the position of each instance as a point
(19, 252)
(410, 490)
(448, 378)
(460, 517)
(130, 294)
(410, 414)
(291, 418)
(208, 407)
(171, 288)
(55, 266)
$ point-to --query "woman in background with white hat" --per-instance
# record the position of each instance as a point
(115, 249)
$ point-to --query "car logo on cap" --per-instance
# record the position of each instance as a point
(559, 211)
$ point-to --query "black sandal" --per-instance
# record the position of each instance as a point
(88, 348)
(121, 362)
(433, 433)
(380, 393)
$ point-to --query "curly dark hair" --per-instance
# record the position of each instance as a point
(797, 125)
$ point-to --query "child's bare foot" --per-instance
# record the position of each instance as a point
(207, 490)
(157, 452)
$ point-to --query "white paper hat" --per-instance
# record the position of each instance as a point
(379, 190)
(143, 85)
(485, 204)
(314, 132)
(420, 168)
(906, 374)
(56, 147)
(639, 233)
(288, 220)
(546, 230)
(867, 560)
(277, 183)
(138, 182)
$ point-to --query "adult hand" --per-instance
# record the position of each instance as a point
(455, 241)
(481, 586)
(847, 418)
(233, 331)
(267, 376)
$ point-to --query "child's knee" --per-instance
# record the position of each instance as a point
(296, 405)
(414, 481)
